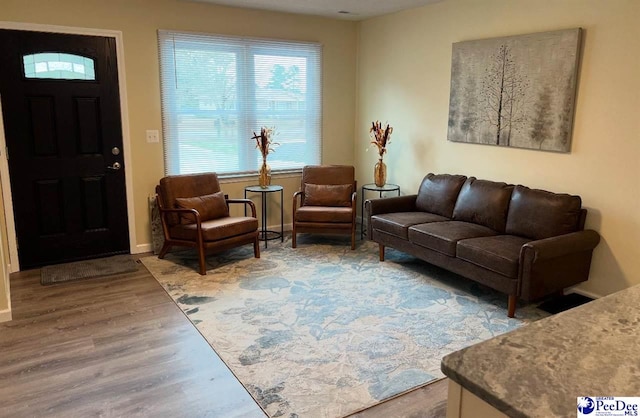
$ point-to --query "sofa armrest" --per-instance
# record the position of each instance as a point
(387, 205)
(552, 264)
(561, 245)
(390, 204)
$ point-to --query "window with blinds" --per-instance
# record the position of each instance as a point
(218, 90)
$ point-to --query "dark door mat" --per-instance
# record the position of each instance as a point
(562, 303)
(98, 267)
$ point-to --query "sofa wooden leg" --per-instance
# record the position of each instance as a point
(381, 250)
(512, 306)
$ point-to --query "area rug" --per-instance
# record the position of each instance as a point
(86, 269)
(323, 331)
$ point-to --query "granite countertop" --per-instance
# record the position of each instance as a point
(541, 369)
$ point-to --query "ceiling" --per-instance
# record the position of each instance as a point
(339, 9)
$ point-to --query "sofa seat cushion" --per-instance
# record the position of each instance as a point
(443, 236)
(323, 214)
(499, 253)
(397, 223)
(216, 229)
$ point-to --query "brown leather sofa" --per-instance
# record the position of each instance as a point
(524, 242)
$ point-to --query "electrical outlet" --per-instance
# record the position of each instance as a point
(153, 136)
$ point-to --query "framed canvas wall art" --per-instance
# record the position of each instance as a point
(516, 91)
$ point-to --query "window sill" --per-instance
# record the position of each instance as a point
(243, 178)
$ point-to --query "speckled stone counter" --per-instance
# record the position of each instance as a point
(539, 370)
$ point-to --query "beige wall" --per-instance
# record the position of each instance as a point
(140, 19)
(404, 64)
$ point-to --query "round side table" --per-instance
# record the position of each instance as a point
(265, 234)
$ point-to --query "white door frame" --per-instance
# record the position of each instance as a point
(14, 264)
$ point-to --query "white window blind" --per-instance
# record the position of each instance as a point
(218, 90)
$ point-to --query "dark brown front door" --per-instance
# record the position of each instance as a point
(61, 113)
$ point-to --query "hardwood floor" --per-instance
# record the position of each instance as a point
(428, 401)
(119, 347)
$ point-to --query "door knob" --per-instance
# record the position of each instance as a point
(115, 166)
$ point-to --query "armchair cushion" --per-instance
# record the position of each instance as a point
(216, 229)
(324, 214)
(328, 194)
(185, 185)
(211, 206)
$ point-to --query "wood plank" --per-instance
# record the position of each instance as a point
(429, 401)
(115, 346)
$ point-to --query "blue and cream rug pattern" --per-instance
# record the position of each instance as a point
(323, 331)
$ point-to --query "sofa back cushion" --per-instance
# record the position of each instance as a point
(438, 193)
(484, 202)
(540, 214)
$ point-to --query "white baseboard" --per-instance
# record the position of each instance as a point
(583, 293)
(5, 315)
(142, 248)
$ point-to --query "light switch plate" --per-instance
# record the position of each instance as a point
(153, 136)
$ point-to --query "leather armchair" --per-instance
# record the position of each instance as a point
(326, 202)
(195, 213)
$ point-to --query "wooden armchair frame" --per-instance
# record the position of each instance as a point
(324, 227)
(200, 243)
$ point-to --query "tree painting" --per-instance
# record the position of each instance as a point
(516, 91)
(504, 90)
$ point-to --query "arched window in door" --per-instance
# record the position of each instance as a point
(60, 66)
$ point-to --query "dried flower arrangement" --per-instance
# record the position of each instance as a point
(264, 142)
(380, 137)
(265, 145)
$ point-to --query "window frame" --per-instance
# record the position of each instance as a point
(247, 112)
